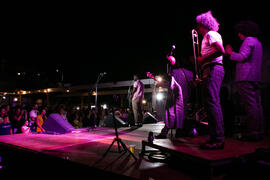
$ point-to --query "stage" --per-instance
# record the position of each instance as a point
(80, 154)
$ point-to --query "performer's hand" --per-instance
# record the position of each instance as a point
(228, 49)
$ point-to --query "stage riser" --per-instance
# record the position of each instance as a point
(19, 161)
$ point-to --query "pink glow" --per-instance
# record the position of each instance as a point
(172, 60)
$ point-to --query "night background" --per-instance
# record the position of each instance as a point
(51, 54)
(44, 42)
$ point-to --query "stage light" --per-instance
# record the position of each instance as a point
(159, 78)
(104, 106)
(144, 101)
(15, 99)
(94, 93)
(159, 96)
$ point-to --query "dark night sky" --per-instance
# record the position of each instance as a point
(120, 40)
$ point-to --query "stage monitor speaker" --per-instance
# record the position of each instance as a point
(55, 124)
(148, 118)
(108, 122)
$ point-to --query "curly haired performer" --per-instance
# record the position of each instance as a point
(210, 61)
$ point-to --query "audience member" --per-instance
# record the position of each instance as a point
(25, 129)
(5, 125)
(33, 115)
(17, 119)
(61, 109)
(40, 120)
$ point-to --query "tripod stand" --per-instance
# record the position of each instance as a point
(118, 140)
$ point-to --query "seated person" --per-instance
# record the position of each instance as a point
(25, 129)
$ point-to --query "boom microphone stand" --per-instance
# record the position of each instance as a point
(117, 139)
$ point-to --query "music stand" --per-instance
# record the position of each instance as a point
(118, 140)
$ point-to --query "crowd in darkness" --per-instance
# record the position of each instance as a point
(14, 120)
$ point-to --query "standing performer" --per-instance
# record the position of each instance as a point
(210, 62)
(248, 77)
(137, 96)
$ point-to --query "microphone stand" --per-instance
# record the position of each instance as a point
(96, 85)
(117, 139)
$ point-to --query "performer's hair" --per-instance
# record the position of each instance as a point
(247, 28)
(208, 21)
(137, 75)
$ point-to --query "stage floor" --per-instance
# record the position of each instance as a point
(87, 147)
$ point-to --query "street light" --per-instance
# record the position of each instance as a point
(98, 79)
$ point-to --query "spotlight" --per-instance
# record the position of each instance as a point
(159, 96)
(144, 101)
(159, 78)
(104, 106)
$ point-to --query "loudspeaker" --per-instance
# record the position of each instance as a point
(149, 119)
(108, 122)
(55, 124)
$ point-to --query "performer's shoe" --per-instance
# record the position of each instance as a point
(161, 136)
(212, 145)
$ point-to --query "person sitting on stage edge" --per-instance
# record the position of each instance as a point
(248, 77)
(210, 62)
(25, 129)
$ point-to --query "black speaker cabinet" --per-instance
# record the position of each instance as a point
(108, 122)
(148, 118)
(55, 124)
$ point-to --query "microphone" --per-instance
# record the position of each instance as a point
(172, 50)
(148, 74)
(170, 57)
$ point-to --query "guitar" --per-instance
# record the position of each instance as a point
(148, 74)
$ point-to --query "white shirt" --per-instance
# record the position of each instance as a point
(26, 130)
(139, 93)
(33, 113)
(208, 39)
